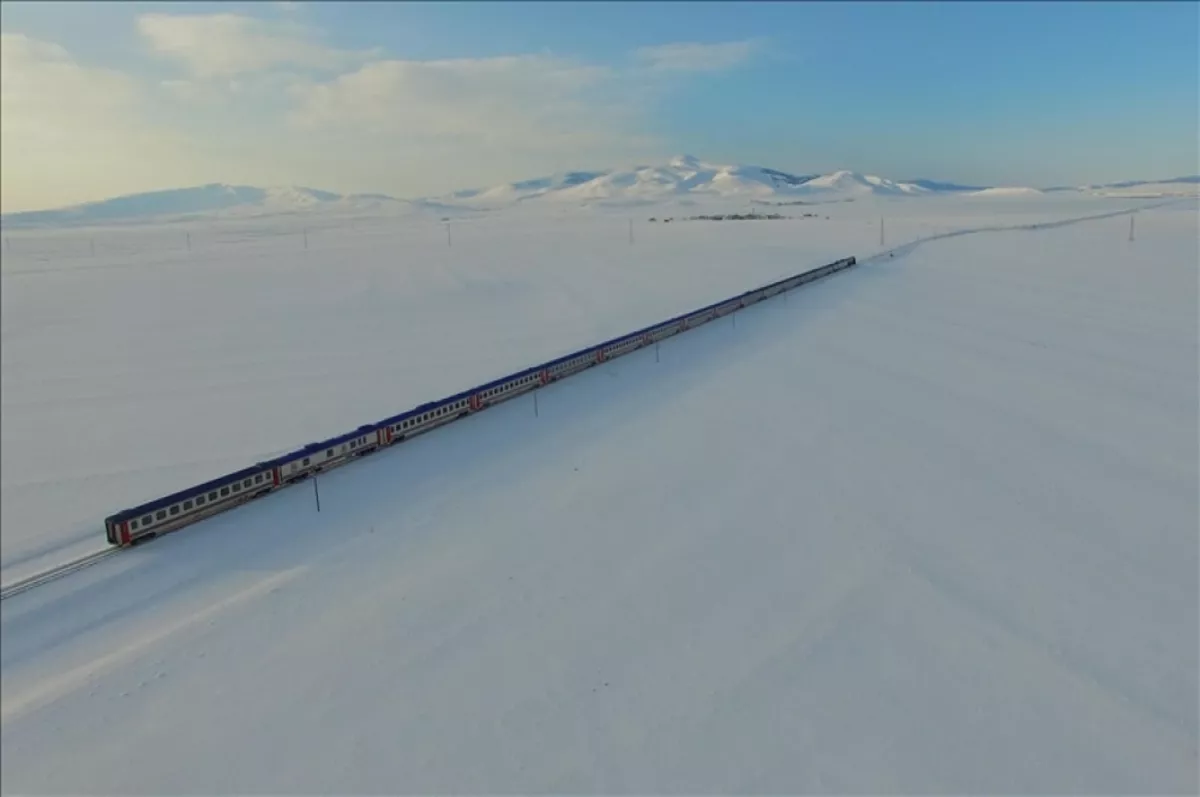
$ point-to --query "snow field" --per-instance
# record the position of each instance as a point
(927, 526)
(147, 368)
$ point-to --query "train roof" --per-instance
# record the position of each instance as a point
(183, 495)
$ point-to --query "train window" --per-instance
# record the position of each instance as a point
(146, 520)
(306, 460)
(187, 505)
(212, 496)
(258, 479)
(237, 488)
(225, 490)
(247, 482)
(175, 510)
(329, 453)
(353, 444)
(132, 525)
(160, 514)
(200, 500)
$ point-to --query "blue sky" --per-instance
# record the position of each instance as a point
(422, 98)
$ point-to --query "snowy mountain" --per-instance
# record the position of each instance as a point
(683, 177)
(935, 185)
(853, 183)
(215, 199)
(684, 180)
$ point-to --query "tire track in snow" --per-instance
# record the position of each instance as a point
(59, 686)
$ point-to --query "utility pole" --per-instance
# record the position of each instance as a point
(535, 406)
(881, 230)
(1131, 217)
(316, 492)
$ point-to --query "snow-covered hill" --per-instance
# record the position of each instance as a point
(1007, 191)
(853, 183)
(684, 176)
(683, 180)
(215, 199)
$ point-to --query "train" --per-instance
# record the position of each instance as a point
(154, 518)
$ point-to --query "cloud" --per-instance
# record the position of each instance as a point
(69, 132)
(226, 45)
(528, 101)
(697, 57)
(266, 102)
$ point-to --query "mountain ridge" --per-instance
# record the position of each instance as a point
(683, 178)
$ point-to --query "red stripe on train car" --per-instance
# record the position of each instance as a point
(125, 538)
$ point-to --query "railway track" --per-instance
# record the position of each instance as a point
(55, 573)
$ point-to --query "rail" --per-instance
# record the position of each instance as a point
(55, 573)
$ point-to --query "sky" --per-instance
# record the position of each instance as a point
(421, 99)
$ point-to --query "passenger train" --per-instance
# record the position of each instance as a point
(140, 523)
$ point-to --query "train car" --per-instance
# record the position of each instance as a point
(325, 454)
(166, 514)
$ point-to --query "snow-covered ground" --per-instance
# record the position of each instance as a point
(177, 353)
(926, 527)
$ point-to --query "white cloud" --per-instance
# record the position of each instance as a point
(69, 133)
(226, 45)
(267, 103)
(528, 101)
(697, 57)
